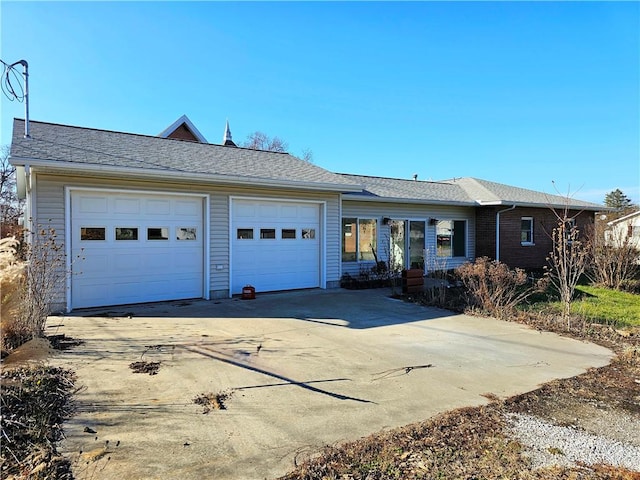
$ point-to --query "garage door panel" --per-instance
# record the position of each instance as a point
(126, 206)
(157, 207)
(156, 266)
(92, 204)
(188, 208)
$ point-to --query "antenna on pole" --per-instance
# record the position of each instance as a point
(9, 89)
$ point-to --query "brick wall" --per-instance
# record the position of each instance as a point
(512, 252)
(183, 133)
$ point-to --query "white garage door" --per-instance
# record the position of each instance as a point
(275, 245)
(131, 248)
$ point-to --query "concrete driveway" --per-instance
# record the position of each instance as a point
(304, 369)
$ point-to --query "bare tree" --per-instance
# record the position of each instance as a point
(261, 141)
(567, 260)
(10, 206)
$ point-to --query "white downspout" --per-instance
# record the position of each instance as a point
(498, 230)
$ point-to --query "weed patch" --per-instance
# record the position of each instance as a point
(213, 401)
(35, 402)
(145, 367)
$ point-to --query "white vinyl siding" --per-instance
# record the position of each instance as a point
(380, 211)
(49, 201)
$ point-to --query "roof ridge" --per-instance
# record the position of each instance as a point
(143, 135)
(393, 178)
(463, 182)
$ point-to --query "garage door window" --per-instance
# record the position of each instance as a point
(308, 233)
(126, 233)
(245, 234)
(157, 234)
(288, 233)
(93, 233)
(267, 233)
(186, 233)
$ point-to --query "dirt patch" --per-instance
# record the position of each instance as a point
(145, 367)
(213, 401)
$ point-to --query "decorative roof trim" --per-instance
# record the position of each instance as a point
(190, 126)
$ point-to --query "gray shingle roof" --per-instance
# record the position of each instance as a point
(484, 191)
(63, 145)
(460, 191)
(408, 190)
(56, 145)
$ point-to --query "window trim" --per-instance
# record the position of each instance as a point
(532, 230)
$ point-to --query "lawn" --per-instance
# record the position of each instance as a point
(607, 306)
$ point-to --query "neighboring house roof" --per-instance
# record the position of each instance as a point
(461, 191)
(64, 148)
(629, 217)
(182, 122)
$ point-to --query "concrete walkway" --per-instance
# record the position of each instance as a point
(305, 369)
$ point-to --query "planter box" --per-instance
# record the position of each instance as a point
(412, 280)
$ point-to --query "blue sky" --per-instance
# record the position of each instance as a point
(520, 93)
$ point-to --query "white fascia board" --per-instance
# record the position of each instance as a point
(143, 173)
(498, 203)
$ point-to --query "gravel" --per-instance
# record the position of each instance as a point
(549, 444)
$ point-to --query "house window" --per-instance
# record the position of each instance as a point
(126, 233)
(157, 234)
(526, 231)
(359, 239)
(451, 238)
(267, 233)
(92, 233)
(244, 234)
(288, 233)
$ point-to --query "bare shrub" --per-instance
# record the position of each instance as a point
(567, 261)
(29, 285)
(493, 287)
(437, 290)
(614, 258)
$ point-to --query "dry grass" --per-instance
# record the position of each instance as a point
(12, 272)
(35, 402)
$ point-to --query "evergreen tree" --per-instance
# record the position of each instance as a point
(618, 200)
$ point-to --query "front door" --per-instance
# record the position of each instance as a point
(407, 251)
(416, 244)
